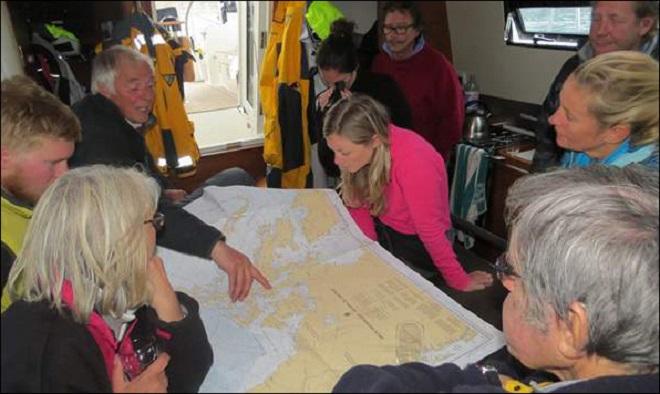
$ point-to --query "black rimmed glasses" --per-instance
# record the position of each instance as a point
(158, 221)
(387, 29)
(503, 268)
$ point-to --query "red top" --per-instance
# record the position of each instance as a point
(100, 330)
(434, 93)
(417, 202)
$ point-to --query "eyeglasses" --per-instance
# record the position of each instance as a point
(398, 29)
(503, 268)
(158, 221)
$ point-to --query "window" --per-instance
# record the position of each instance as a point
(223, 100)
(540, 24)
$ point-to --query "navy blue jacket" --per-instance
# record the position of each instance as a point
(449, 378)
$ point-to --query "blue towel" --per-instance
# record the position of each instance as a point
(468, 189)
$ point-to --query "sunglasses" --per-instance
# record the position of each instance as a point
(158, 221)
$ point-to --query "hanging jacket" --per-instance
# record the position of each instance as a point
(171, 140)
(320, 15)
(63, 83)
(284, 89)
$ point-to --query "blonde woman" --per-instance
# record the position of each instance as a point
(93, 309)
(608, 112)
(395, 185)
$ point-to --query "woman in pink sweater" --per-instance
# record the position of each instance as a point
(395, 186)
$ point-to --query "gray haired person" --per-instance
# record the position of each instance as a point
(582, 272)
(113, 120)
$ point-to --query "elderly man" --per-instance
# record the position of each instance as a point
(38, 136)
(112, 120)
(615, 26)
(582, 275)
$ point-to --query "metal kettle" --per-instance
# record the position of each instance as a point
(475, 127)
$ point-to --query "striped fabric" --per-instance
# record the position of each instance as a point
(468, 189)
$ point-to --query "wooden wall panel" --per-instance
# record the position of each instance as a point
(434, 15)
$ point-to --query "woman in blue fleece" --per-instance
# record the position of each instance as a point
(608, 112)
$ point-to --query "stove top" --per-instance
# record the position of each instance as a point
(499, 137)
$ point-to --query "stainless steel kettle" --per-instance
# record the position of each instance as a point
(475, 127)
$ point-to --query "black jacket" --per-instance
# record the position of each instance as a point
(380, 87)
(44, 351)
(449, 378)
(108, 139)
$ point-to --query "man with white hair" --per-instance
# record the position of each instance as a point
(113, 120)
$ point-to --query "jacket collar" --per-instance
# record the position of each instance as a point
(419, 45)
(15, 202)
(99, 329)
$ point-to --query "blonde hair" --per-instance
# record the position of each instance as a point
(30, 113)
(88, 229)
(623, 88)
(359, 118)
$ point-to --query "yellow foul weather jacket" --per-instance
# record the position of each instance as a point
(284, 88)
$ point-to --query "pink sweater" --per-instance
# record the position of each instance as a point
(434, 93)
(417, 202)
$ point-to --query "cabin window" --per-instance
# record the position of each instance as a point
(547, 24)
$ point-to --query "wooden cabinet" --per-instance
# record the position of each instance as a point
(503, 174)
(436, 28)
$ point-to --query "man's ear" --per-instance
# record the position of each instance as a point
(574, 332)
(617, 133)
(645, 25)
(8, 162)
(6, 157)
(103, 90)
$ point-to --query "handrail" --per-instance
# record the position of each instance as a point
(479, 232)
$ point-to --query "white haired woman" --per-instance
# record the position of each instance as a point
(93, 309)
(608, 112)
